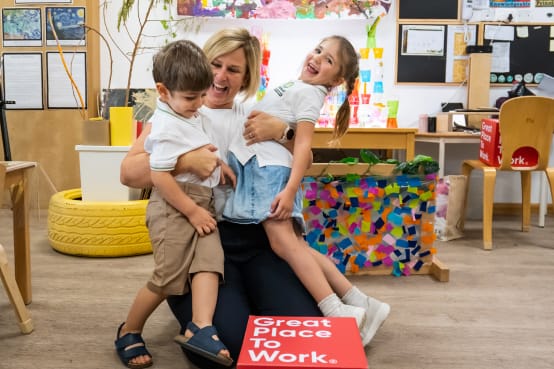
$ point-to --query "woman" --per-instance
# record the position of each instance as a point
(257, 281)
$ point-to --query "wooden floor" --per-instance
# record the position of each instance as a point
(497, 311)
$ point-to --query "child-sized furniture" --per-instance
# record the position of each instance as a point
(526, 123)
(10, 285)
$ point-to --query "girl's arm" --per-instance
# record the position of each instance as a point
(200, 218)
(135, 167)
(282, 205)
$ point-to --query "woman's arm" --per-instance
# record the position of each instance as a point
(135, 167)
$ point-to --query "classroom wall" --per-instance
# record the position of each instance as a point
(289, 40)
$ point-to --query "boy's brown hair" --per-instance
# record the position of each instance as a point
(182, 66)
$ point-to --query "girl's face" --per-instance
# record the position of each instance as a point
(229, 76)
(322, 65)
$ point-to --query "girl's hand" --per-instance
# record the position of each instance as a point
(261, 127)
(202, 221)
(282, 205)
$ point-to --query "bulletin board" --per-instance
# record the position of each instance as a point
(432, 53)
(529, 56)
(48, 135)
(439, 10)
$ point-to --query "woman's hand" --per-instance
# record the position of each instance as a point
(261, 127)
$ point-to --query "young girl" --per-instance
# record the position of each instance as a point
(269, 178)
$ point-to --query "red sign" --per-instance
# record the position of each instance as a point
(301, 342)
(490, 149)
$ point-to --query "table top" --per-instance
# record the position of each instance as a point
(15, 165)
(462, 135)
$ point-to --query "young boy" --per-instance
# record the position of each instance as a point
(180, 214)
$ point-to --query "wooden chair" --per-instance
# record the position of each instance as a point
(8, 279)
(526, 121)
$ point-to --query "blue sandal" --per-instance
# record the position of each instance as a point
(203, 344)
(121, 343)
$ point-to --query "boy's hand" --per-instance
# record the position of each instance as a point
(202, 221)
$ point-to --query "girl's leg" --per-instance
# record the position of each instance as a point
(287, 245)
(338, 281)
(375, 311)
(293, 250)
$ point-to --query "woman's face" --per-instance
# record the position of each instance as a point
(229, 76)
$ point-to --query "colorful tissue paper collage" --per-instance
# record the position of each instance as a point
(285, 9)
(372, 223)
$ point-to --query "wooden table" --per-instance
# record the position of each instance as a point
(442, 139)
(17, 182)
(370, 138)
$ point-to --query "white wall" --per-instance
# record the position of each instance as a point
(289, 41)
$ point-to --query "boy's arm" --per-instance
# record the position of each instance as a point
(200, 218)
(302, 158)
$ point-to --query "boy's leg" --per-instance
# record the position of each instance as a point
(230, 317)
(144, 304)
(204, 289)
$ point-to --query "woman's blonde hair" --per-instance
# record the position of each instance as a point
(228, 40)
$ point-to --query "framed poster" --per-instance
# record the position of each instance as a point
(68, 25)
(21, 27)
(22, 74)
(65, 92)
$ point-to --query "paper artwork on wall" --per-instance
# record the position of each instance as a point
(510, 3)
(61, 92)
(285, 9)
(22, 74)
(21, 27)
(17, 2)
(68, 24)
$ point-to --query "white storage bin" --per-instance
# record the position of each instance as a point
(99, 167)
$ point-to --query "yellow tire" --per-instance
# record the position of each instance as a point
(97, 229)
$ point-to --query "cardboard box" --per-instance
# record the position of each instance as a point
(96, 132)
(302, 343)
(490, 148)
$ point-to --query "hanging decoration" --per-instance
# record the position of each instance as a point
(285, 9)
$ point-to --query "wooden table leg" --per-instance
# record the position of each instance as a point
(22, 251)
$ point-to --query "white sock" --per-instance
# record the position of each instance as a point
(355, 297)
(333, 306)
(330, 304)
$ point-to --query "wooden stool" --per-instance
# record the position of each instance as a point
(24, 320)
